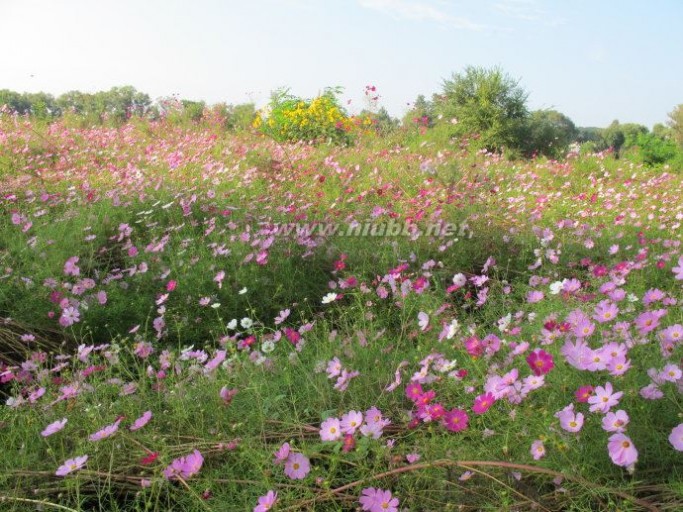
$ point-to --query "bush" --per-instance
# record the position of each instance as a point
(289, 118)
(487, 102)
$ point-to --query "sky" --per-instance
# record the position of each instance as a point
(593, 60)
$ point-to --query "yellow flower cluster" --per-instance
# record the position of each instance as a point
(296, 119)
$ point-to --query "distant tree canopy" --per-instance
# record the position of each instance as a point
(485, 102)
(119, 104)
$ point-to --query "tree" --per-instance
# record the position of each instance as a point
(613, 137)
(487, 102)
(676, 124)
(550, 132)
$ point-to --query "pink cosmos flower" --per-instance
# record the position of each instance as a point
(455, 420)
(71, 465)
(540, 362)
(570, 420)
(412, 458)
(184, 467)
(220, 276)
(622, 451)
(605, 311)
(71, 267)
(378, 500)
(534, 296)
(70, 315)
(53, 428)
(265, 503)
(141, 421)
(615, 421)
(334, 368)
(483, 403)
(107, 431)
(423, 320)
(676, 437)
(297, 466)
(227, 394)
(604, 399)
(670, 373)
(678, 271)
(143, 349)
(351, 421)
(330, 430)
(584, 393)
(651, 392)
(537, 449)
(282, 454)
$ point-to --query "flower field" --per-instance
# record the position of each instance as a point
(196, 320)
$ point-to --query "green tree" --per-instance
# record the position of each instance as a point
(486, 102)
(613, 137)
(549, 133)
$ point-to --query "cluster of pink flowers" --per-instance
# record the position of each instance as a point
(371, 424)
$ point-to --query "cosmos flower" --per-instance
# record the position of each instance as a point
(71, 465)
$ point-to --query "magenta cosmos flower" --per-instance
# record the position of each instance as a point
(676, 438)
(378, 500)
(622, 451)
(71, 465)
(297, 466)
(540, 362)
(483, 403)
(266, 502)
(455, 420)
(53, 428)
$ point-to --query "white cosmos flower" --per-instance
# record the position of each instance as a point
(246, 323)
(232, 325)
(330, 297)
(556, 287)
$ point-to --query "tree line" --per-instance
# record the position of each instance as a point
(485, 106)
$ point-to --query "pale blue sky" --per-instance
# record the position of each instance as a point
(593, 60)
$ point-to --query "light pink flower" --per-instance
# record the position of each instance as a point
(53, 428)
(141, 421)
(330, 430)
(622, 451)
(265, 503)
(378, 500)
(297, 466)
(71, 465)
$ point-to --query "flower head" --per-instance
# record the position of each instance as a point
(71, 465)
(266, 502)
(378, 500)
(53, 428)
(297, 466)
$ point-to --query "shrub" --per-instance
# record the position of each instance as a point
(487, 102)
(289, 118)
